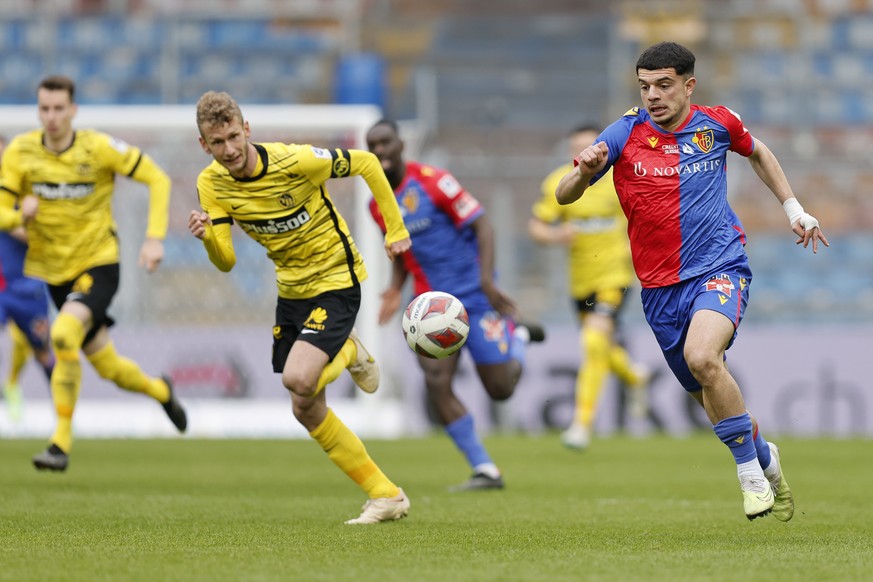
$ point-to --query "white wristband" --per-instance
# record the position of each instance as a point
(793, 209)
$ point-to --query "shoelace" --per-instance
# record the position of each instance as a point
(756, 484)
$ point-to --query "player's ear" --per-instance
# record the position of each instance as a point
(246, 129)
(203, 144)
(690, 83)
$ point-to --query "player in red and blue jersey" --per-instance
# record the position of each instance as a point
(453, 251)
(669, 170)
(24, 303)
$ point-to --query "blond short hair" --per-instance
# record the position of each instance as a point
(216, 108)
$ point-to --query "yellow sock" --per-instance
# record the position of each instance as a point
(621, 365)
(591, 379)
(20, 353)
(335, 367)
(67, 334)
(126, 374)
(347, 452)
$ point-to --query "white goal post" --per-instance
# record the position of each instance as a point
(184, 294)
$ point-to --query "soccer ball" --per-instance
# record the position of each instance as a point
(436, 324)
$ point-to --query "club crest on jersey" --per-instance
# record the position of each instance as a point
(409, 202)
(721, 283)
(704, 139)
(286, 200)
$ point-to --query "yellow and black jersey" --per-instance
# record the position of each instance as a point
(599, 255)
(286, 208)
(73, 229)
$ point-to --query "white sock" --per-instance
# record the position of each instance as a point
(772, 469)
(522, 333)
(750, 470)
(489, 469)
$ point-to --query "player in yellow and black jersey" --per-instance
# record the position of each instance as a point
(600, 268)
(276, 193)
(62, 181)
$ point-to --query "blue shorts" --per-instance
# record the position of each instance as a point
(490, 336)
(669, 310)
(28, 308)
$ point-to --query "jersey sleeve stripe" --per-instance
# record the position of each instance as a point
(135, 166)
(5, 189)
(222, 220)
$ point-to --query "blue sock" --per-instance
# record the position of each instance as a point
(762, 448)
(463, 433)
(736, 433)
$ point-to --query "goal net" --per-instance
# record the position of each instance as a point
(211, 331)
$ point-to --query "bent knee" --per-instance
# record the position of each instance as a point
(500, 391)
(702, 362)
(67, 334)
(297, 384)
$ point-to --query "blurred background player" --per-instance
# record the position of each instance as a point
(688, 246)
(453, 251)
(63, 180)
(24, 309)
(594, 229)
(276, 193)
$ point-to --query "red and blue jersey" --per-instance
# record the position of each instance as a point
(12, 279)
(673, 189)
(437, 212)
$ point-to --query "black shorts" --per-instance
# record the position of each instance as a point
(324, 321)
(607, 302)
(95, 288)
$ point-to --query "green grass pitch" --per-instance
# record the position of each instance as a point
(628, 509)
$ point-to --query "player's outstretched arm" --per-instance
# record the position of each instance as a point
(367, 165)
(499, 299)
(216, 239)
(588, 163)
(149, 173)
(159, 184)
(542, 232)
(804, 225)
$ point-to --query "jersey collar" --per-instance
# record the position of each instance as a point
(262, 154)
(681, 126)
